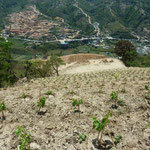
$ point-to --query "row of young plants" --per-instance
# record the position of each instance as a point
(24, 137)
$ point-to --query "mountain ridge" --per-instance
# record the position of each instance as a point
(114, 17)
(125, 16)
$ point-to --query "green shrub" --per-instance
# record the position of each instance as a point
(7, 75)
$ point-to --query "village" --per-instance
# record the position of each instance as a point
(31, 24)
(33, 27)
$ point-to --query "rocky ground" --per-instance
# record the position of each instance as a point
(57, 126)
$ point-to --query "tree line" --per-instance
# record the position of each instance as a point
(30, 69)
(37, 68)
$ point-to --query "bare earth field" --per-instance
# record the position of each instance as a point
(83, 63)
(58, 126)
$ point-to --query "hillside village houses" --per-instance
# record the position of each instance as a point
(31, 24)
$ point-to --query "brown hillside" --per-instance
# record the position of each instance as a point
(81, 57)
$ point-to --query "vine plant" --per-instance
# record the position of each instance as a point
(23, 138)
(100, 126)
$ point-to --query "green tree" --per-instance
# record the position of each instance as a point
(126, 50)
(56, 62)
(30, 70)
(37, 69)
(7, 75)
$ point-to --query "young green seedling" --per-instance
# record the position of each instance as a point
(23, 138)
(116, 76)
(82, 137)
(148, 89)
(114, 96)
(2, 109)
(23, 96)
(118, 139)
(77, 103)
(41, 103)
(49, 93)
(100, 126)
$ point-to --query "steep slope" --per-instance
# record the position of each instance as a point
(66, 9)
(115, 17)
(9, 6)
(119, 18)
(58, 126)
(125, 15)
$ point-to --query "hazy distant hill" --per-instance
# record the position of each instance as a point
(114, 16)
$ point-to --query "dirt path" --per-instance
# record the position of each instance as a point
(95, 24)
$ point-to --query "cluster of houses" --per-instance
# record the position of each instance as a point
(30, 24)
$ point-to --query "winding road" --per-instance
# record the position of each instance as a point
(95, 24)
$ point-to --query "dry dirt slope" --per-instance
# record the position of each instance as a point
(84, 63)
(58, 127)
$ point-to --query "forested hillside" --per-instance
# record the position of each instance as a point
(8, 6)
(66, 9)
(114, 16)
(125, 15)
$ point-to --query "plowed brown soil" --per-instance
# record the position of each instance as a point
(81, 57)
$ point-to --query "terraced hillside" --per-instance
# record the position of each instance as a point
(57, 126)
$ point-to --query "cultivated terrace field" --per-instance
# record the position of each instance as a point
(61, 126)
